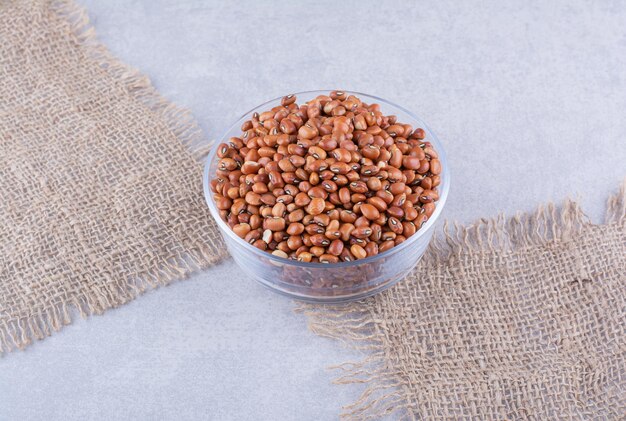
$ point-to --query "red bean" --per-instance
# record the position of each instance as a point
(331, 180)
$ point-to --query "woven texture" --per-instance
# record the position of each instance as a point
(521, 318)
(101, 196)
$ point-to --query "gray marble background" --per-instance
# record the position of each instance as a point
(529, 98)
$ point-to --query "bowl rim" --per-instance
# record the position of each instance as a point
(444, 189)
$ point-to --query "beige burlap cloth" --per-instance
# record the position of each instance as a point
(100, 195)
(521, 318)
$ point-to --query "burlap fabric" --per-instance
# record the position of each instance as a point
(522, 318)
(100, 196)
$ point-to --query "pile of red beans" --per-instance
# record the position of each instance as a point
(330, 180)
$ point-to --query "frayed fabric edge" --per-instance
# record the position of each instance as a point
(356, 325)
(178, 119)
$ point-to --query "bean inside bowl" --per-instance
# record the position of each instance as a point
(325, 275)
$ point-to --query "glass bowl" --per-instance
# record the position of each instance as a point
(334, 282)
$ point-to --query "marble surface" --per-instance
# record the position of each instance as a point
(528, 98)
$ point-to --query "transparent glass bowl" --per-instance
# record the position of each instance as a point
(321, 282)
